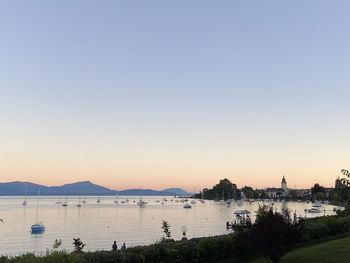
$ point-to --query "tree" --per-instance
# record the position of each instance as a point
(224, 189)
(57, 243)
(317, 188)
(275, 233)
(78, 245)
(166, 229)
(342, 188)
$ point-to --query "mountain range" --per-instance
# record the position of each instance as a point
(80, 188)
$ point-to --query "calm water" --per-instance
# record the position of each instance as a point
(99, 224)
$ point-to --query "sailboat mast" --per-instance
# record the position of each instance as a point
(37, 207)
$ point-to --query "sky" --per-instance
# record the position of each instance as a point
(158, 94)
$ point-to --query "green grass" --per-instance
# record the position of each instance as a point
(331, 251)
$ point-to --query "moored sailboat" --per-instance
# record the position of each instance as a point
(38, 227)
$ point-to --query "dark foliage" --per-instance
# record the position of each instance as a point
(166, 229)
(78, 245)
(274, 234)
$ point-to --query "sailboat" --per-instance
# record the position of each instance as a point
(84, 200)
(65, 203)
(98, 200)
(79, 204)
(25, 197)
(59, 200)
(193, 201)
(116, 199)
(141, 203)
(38, 227)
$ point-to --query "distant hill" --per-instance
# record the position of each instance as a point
(177, 191)
(79, 188)
(144, 192)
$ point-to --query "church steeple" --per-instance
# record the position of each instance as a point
(284, 184)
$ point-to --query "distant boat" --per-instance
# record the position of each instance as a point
(25, 197)
(116, 200)
(59, 201)
(141, 203)
(316, 204)
(98, 200)
(193, 202)
(65, 203)
(313, 210)
(84, 200)
(187, 205)
(38, 227)
(79, 204)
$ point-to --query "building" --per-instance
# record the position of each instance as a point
(278, 192)
(284, 186)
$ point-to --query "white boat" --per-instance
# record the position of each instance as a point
(241, 212)
(38, 227)
(313, 210)
(79, 204)
(141, 203)
(187, 205)
(25, 197)
(116, 200)
(316, 204)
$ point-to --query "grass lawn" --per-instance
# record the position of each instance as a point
(332, 251)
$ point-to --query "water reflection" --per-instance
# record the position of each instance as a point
(99, 224)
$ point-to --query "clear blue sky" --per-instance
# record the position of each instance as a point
(164, 93)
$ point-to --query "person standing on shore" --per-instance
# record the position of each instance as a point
(123, 247)
(114, 246)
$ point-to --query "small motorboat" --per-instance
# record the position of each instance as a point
(65, 203)
(313, 210)
(38, 228)
(141, 203)
(79, 205)
(24, 203)
(242, 212)
(193, 202)
(316, 204)
(187, 205)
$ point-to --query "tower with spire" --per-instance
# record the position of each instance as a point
(284, 185)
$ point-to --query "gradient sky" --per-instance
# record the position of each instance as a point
(174, 93)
